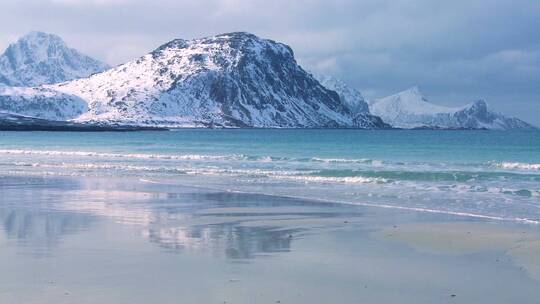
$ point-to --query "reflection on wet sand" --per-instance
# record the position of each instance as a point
(116, 240)
(234, 225)
(25, 217)
(39, 229)
(233, 241)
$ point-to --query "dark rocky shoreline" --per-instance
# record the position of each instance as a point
(11, 122)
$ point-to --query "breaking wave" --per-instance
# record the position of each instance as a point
(201, 157)
(128, 155)
(516, 165)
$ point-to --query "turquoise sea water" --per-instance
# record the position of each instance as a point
(484, 174)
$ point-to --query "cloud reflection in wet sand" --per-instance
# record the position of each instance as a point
(233, 225)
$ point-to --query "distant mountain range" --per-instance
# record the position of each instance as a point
(411, 109)
(228, 80)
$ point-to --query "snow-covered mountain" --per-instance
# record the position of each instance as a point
(411, 109)
(352, 99)
(41, 102)
(229, 80)
(40, 58)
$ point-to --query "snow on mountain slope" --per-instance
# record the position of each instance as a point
(41, 103)
(353, 100)
(411, 109)
(40, 58)
(229, 80)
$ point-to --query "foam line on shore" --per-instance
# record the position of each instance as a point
(376, 205)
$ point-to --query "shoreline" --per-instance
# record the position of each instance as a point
(128, 230)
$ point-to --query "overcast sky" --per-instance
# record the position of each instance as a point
(455, 51)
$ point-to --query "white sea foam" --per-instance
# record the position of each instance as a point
(516, 165)
(209, 157)
(304, 176)
(308, 176)
(408, 208)
(118, 155)
(342, 160)
(429, 210)
(97, 166)
(412, 191)
(346, 180)
(173, 156)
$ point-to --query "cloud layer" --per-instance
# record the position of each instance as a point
(456, 51)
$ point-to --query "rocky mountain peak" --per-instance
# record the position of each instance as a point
(40, 58)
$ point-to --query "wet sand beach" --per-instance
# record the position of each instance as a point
(126, 240)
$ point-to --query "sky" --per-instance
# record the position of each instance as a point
(455, 51)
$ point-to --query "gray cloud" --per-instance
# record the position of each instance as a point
(456, 51)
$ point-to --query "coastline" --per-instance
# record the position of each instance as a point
(341, 252)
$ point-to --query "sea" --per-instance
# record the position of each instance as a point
(480, 174)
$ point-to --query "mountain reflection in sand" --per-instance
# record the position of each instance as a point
(235, 225)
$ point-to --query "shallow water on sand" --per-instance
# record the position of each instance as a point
(482, 174)
(123, 240)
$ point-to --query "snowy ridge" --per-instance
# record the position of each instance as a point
(41, 102)
(229, 80)
(40, 58)
(411, 109)
(354, 101)
(350, 97)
